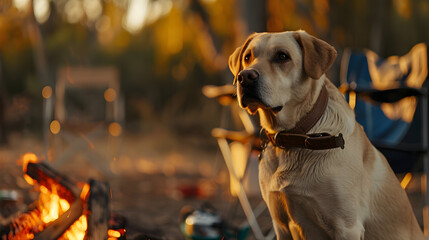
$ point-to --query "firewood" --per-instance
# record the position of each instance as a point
(99, 212)
(20, 223)
(57, 228)
(48, 177)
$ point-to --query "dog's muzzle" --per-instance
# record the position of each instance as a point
(248, 91)
(248, 88)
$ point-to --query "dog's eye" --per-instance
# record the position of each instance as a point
(281, 57)
(247, 58)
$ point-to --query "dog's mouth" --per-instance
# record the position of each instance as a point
(250, 100)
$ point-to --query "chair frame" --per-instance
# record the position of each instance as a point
(226, 96)
(54, 109)
(378, 97)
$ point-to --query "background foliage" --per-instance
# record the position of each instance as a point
(173, 48)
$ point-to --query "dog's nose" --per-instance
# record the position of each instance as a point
(246, 77)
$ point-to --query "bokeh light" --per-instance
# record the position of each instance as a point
(42, 10)
(110, 95)
(47, 92)
(55, 127)
(93, 9)
(142, 12)
(21, 5)
(74, 11)
(115, 129)
(136, 14)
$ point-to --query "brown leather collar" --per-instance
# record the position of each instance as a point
(297, 137)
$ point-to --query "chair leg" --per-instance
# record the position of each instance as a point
(242, 197)
(426, 196)
(48, 105)
(425, 130)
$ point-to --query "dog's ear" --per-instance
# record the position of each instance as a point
(234, 61)
(317, 55)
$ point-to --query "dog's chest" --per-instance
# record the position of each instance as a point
(282, 168)
(303, 183)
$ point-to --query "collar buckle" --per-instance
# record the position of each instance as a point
(276, 139)
(307, 144)
(264, 138)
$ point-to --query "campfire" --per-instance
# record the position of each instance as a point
(65, 210)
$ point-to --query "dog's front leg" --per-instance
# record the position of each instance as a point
(288, 210)
(277, 207)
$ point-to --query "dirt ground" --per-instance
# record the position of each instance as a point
(152, 176)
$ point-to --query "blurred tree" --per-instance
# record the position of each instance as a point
(254, 13)
(387, 27)
(167, 50)
(3, 135)
(36, 37)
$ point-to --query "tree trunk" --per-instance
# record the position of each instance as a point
(254, 14)
(377, 18)
(3, 136)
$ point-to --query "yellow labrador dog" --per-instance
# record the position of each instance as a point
(319, 174)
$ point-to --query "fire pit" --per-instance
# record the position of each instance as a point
(64, 209)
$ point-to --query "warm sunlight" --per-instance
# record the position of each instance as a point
(73, 10)
(21, 5)
(136, 15)
(93, 9)
(41, 10)
(142, 12)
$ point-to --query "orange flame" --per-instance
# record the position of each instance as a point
(77, 230)
(51, 205)
(29, 180)
(113, 233)
(26, 159)
(85, 191)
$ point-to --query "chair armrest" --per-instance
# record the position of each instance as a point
(225, 94)
(389, 95)
(238, 136)
(402, 147)
(212, 91)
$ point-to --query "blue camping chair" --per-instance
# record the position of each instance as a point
(390, 99)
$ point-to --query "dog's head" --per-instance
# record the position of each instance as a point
(270, 68)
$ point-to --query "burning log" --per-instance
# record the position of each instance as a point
(21, 227)
(56, 209)
(49, 178)
(117, 225)
(57, 228)
(63, 211)
(98, 203)
(33, 224)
